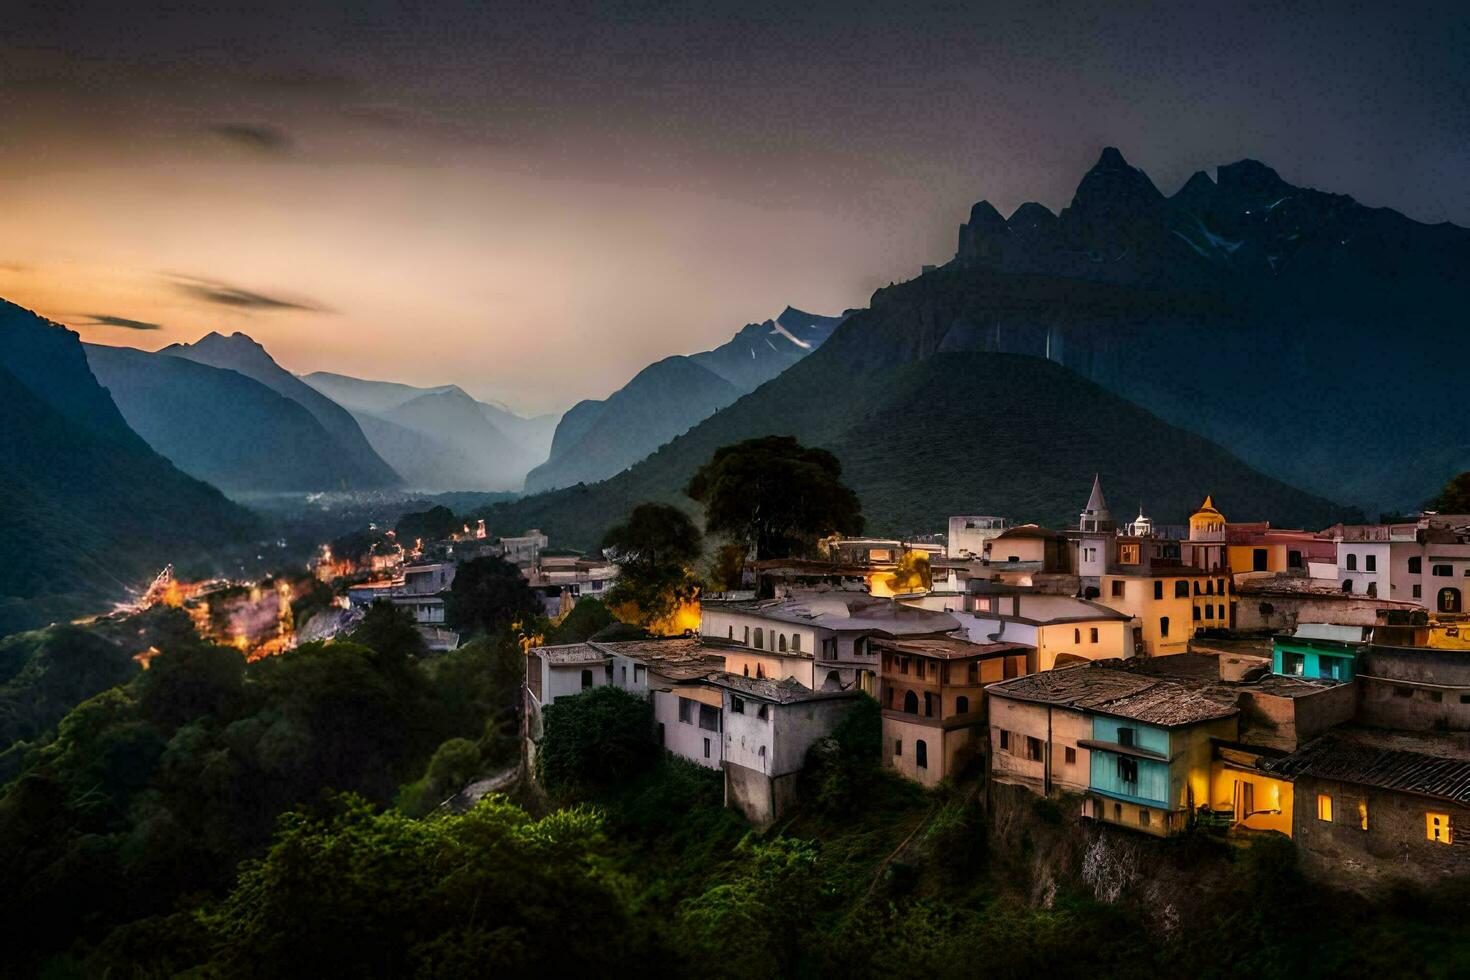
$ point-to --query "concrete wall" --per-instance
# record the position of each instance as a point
(1285, 723)
(688, 740)
(1114, 641)
(1414, 688)
(753, 663)
(1395, 845)
(720, 624)
(1022, 718)
(1282, 613)
(562, 680)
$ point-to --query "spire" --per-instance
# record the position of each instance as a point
(1095, 516)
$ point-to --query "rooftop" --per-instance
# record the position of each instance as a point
(787, 691)
(1156, 695)
(680, 658)
(848, 611)
(1430, 765)
(1030, 531)
(949, 648)
(571, 653)
(1042, 607)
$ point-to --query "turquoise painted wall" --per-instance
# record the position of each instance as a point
(1316, 662)
(1153, 776)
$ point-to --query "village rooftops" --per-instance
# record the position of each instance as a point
(1103, 688)
(1041, 608)
(678, 659)
(571, 653)
(786, 691)
(1427, 764)
(950, 648)
(1289, 586)
(849, 612)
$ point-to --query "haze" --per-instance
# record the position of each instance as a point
(536, 203)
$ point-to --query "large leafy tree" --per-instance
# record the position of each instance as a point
(595, 739)
(655, 550)
(488, 595)
(775, 496)
(1454, 496)
(434, 524)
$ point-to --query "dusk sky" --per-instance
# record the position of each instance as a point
(534, 201)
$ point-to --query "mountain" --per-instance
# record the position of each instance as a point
(89, 509)
(219, 425)
(361, 467)
(596, 439)
(1300, 328)
(951, 433)
(443, 441)
(380, 399)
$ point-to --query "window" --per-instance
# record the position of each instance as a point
(961, 705)
(1092, 634)
(1418, 590)
(1005, 739)
(1117, 589)
(1158, 590)
(747, 670)
(1293, 559)
(737, 706)
(709, 717)
(586, 679)
(763, 712)
(624, 669)
(973, 673)
(1209, 588)
(911, 703)
(897, 748)
(1198, 590)
(1442, 571)
(1076, 636)
(1196, 613)
(1033, 748)
(1128, 554)
(1347, 585)
(638, 671)
(903, 665)
(1143, 817)
(1293, 664)
(1324, 808)
(1220, 612)
(795, 642)
(928, 705)
(1352, 563)
(760, 670)
(1070, 756)
(888, 695)
(730, 633)
(1437, 828)
(1128, 770)
(1465, 699)
(1209, 612)
(1118, 812)
(1449, 600)
(1181, 589)
(1220, 586)
(781, 643)
(686, 711)
(1163, 626)
(1362, 814)
(1258, 560)
(921, 754)
(706, 748)
(747, 636)
(1370, 563)
(1436, 696)
(1416, 565)
(1372, 590)
(1126, 736)
(760, 638)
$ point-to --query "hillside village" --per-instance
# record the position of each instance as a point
(1231, 678)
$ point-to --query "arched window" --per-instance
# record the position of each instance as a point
(962, 705)
(586, 679)
(1449, 600)
(911, 703)
(760, 670)
(1076, 636)
(781, 642)
(1163, 626)
(833, 681)
(1352, 563)
(1347, 585)
(760, 638)
(747, 670)
(921, 754)
(795, 642)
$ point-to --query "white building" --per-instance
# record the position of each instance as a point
(769, 726)
(559, 671)
(1426, 563)
(969, 536)
(818, 638)
(674, 675)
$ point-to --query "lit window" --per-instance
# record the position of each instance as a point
(1324, 807)
(1437, 827)
(1128, 554)
(1363, 814)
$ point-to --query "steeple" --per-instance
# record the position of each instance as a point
(1096, 516)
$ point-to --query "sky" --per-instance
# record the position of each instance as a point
(534, 201)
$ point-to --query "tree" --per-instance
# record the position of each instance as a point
(776, 496)
(587, 618)
(488, 595)
(433, 524)
(654, 551)
(388, 629)
(1454, 496)
(595, 739)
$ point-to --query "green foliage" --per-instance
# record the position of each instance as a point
(385, 627)
(434, 524)
(595, 738)
(587, 617)
(655, 550)
(1453, 497)
(488, 595)
(368, 894)
(776, 496)
(454, 765)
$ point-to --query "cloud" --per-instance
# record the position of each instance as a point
(224, 294)
(108, 320)
(266, 140)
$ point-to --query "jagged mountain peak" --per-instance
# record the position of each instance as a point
(1251, 176)
(984, 216)
(1113, 182)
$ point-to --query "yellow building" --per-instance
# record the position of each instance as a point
(1169, 605)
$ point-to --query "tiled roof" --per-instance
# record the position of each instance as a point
(787, 691)
(682, 658)
(1110, 688)
(571, 653)
(947, 648)
(1379, 759)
